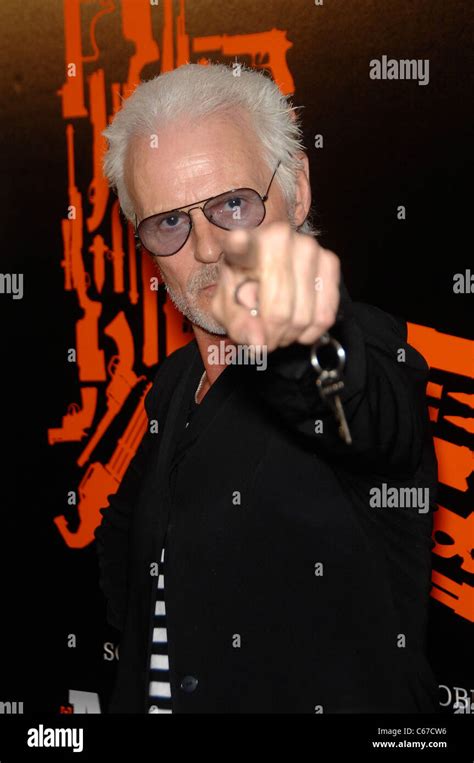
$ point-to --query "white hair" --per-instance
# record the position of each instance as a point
(194, 91)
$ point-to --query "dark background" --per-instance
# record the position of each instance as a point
(386, 143)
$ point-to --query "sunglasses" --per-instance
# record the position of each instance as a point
(165, 233)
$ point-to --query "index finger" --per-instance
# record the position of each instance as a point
(241, 250)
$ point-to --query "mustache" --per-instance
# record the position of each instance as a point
(202, 278)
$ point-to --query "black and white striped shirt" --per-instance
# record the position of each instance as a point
(159, 692)
(160, 688)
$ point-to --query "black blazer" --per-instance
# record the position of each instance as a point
(286, 591)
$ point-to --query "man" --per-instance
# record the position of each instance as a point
(297, 559)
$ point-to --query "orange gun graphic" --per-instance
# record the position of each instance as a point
(132, 267)
(101, 481)
(457, 596)
(461, 537)
(98, 191)
(136, 27)
(267, 50)
(98, 249)
(90, 358)
(456, 463)
(77, 420)
(123, 379)
(72, 92)
(116, 254)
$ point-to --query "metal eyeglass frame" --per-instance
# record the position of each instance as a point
(200, 205)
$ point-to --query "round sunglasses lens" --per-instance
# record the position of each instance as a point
(164, 234)
(242, 208)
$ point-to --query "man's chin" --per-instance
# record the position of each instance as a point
(210, 327)
(202, 315)
(198, 316)
(203, 320)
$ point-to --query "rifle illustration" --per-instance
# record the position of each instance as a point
(90, 358)
(123, 379)
(101, 481)
(98, 191)
(76, 420)
(271, 46)
(66, 262)
(116, 254)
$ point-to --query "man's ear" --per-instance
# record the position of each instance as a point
(303, 190)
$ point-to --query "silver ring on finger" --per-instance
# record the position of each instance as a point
(254, 311)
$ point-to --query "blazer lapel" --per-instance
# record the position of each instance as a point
(206, 411)
(176, 439)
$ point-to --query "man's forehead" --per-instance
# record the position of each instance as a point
(178, 170)
(181, 143)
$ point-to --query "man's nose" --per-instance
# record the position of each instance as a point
(205, 237)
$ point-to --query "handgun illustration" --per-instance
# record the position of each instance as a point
(123, 379)
(76, 420)
(267, 50)
(101, 481)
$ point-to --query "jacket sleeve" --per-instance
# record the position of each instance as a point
(383, 397)
(112, 535)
